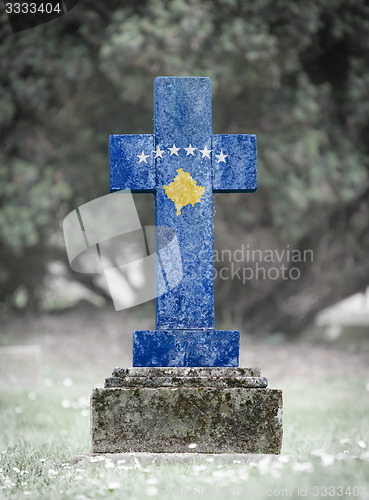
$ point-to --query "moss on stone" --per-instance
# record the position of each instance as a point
(218, 420)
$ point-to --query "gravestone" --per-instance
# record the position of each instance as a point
(185, 387)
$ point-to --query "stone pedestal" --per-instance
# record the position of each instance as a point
(180, 348)
(165, 410)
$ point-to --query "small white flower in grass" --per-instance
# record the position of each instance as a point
(65, 403)
(217, 473)
(85, 413)
(122, 461)
(344, 440)
(152, 480)
(32, 396)
(94, 459)
(114, 485)
(264, 464)
(200, 467)
(52, 472)
(361, 444)
(318, 453)
(83, 401)
(210, 459)
(303, 467)
(26, 492)
(228, 474)
(15, 469)
(42, 460)
(277, 465)
(152, 491)
(243, 474)
(341, 456)
(18, 410)
(109, 465)
(327, 460)
(192, 446)
(284, 459)
(67, 382)
(275, 473)
(24, 483)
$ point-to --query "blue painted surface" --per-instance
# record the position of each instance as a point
(238, 172)
(183, 140)
(185, 348)
(126, 169)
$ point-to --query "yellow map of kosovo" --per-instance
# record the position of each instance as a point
(184, 190)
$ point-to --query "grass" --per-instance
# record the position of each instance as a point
(325, 451)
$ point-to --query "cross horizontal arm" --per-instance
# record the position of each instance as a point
(132, 162)
(234, 163)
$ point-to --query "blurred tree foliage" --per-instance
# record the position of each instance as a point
(294, 73)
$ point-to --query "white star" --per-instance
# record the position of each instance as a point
(206, 152)
(190, 150)
(221, 157)
(142, 157)
(173, 150)
(159, 152)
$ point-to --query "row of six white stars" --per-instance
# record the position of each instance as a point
(189, 151)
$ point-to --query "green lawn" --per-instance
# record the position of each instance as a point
(325, 451)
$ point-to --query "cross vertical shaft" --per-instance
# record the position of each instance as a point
(182, 118)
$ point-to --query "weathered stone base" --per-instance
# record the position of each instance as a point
(219, 412)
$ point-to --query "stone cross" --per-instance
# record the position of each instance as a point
(183, 164)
